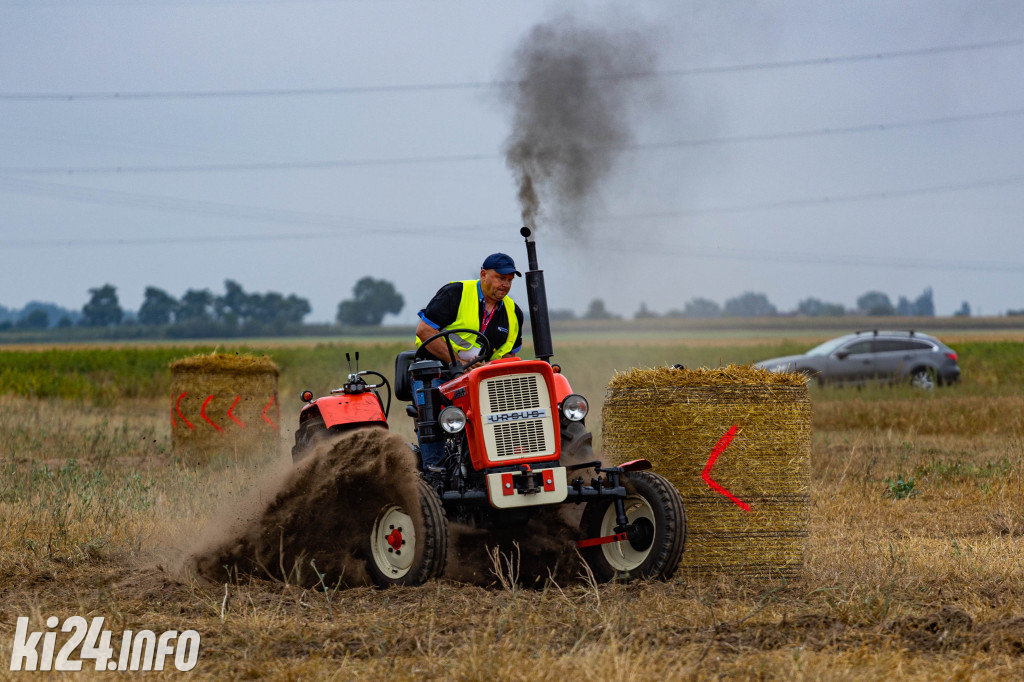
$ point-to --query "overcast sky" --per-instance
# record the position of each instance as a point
(792, 148)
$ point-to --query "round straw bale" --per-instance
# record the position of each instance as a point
(736, 443)
(223, 404)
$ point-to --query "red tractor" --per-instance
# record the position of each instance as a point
(515, 443)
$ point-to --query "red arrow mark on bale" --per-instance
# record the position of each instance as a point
(719, 448)
(202, 413)
(177, 408)
(233, 417)
(174, 422)
(263, 413)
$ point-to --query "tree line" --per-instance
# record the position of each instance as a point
(236, 312)
(201, 313)
(754, 304)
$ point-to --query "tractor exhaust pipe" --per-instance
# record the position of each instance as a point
(538, 301)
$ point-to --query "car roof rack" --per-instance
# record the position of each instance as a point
(875, 332)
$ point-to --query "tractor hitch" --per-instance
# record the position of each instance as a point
(640, 537)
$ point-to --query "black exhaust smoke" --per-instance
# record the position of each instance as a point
(538, 301)
(577, 89)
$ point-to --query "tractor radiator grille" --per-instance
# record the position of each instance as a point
(513, 393)
(518, 419)
(519, 440)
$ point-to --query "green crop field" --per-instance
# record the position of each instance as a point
(914, 568)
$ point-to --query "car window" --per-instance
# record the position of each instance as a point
(890, 345)
(858, 347)
(828, 346)
(900, 345)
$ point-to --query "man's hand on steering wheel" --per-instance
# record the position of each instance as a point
(456, 367)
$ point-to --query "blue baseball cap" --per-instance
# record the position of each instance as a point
(501, 263)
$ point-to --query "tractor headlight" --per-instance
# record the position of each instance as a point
(575, 407)
(452, 419)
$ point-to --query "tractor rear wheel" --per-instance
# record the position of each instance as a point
(403, 552)
(307, 436)
(655, 508)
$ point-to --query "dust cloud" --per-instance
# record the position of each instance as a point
(575, 91)
(322, 512)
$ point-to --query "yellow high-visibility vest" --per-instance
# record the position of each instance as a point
(468, 317)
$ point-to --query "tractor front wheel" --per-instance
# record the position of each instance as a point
(653, 506)
(404, 552)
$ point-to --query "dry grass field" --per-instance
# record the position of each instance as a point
(914, 568)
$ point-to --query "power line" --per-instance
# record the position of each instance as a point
(343, 226)
(200, 207)
(170, 3)
(643, 248)
(467, 158)
(807, 258)
(477, 85)
(231, 167)
(836, 199)
(241, 212)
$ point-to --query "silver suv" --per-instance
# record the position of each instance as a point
(866, 356)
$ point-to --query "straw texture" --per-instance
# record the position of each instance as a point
(223, 404)
(736, 443)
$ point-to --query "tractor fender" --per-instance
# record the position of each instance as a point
(562, 387)
(359, 408)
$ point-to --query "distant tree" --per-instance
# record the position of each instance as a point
(235, 306)
(562, 314)
(262, 307)
(964, 311)
(276, 310)
(644, 313)
(196, 306)
(37, 319)
(597, 311)
(875, 303)
(295, 308)
(103, 309)
(158, 307)
(813, 307)
(371, 300)
(749, 304)
(701, 308)
(53, 313)
(64, 322)
(6, 325)
(924, 305)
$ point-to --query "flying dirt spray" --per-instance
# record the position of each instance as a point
(313, 527)
(576, 89)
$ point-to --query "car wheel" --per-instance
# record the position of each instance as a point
(924, 378)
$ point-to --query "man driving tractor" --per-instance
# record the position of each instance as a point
(482, 305)
(501, 439)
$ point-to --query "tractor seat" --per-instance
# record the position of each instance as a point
(403, 380)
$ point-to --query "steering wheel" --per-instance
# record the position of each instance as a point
(455, 367)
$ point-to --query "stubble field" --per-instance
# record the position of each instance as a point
(913, 568)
